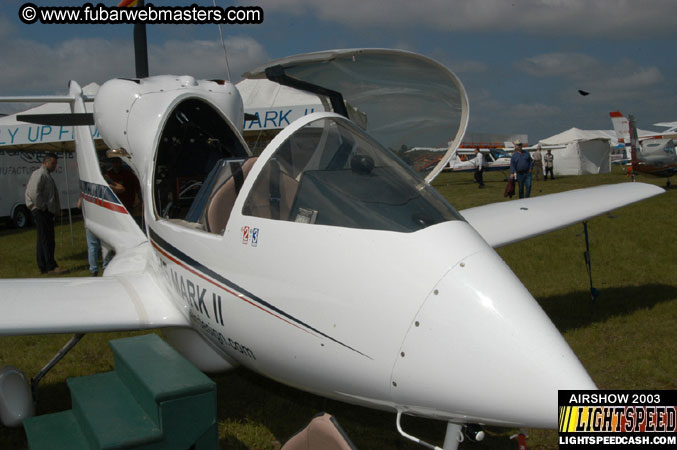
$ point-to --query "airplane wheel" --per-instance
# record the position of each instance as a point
(21, 217)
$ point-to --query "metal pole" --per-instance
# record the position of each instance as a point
(68, 192)
(140, 47)
(72, 342)
(453, 437)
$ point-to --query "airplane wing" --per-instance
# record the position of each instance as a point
(84, 305)
(666, 124)
(507, 222)
(126, 300)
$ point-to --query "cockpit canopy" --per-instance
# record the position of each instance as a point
(347, 170)
(406, 101)
(330, 172)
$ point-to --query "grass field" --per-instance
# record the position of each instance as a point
(626, 339)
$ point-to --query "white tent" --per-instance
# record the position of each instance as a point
(273, 105)
(579, 152)
(14, 132)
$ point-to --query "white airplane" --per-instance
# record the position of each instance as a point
(622, 128)
(653, 154)
(495, 159)
(325, 263)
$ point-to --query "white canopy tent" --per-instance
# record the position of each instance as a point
(579, 152)
(275, 106)
(21, 146)
(14, 132)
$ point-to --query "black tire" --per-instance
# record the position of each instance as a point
(21, 217)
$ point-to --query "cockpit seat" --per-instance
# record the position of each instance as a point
(223, 199)
(322, 433)
(272, 196)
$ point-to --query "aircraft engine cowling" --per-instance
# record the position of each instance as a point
(129, 114)
(112, 105)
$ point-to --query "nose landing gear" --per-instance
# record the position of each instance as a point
(455, 434)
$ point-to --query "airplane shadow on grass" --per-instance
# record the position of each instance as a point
(577, 309)
(246, 398)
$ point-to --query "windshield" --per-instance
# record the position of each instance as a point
(498, 153)
(411, 104)
(330, 172)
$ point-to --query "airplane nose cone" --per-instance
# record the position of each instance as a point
(481, 349)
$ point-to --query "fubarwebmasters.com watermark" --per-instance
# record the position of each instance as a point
(101, 14)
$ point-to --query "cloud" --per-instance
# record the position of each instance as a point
(570, 65)
(97, 60)
(461, 67)
(641, 77)
(7, 28)
(602, 17)
(205, 59)
(606, 82)
(535, 110)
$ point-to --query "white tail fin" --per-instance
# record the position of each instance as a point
(105, 215)
(621, 127)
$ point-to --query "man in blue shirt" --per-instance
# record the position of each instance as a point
(521, 165)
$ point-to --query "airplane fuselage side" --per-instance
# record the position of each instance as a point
(375, 310)
(260, 296)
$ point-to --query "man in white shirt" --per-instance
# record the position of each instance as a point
(42, 198)
(479, 167)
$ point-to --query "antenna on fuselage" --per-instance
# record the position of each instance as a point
(225, 53)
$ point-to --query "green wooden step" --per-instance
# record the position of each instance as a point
(154, 372)
(58, 431)
(109, 415)
(154, 400)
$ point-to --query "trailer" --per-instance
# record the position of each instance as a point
(16, 167)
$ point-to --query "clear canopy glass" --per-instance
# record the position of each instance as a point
(330, 172)
(411, 104)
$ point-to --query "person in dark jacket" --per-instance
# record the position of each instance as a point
(42, 199)
(521, 165)
(548, 158)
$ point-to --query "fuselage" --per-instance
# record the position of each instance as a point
(656, 157)
(494, 160)
(328, 265)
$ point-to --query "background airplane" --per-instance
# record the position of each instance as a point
(649, 153)
(325, 263)
(494, 159)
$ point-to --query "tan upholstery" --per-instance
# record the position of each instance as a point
(221, 203)
(185, 223)
(322, 433)
(259, 200)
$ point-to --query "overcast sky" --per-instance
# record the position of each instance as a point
(522, 62)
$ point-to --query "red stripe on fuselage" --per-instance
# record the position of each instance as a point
(105, 204)
(240, 296)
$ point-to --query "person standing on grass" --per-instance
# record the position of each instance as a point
(548, 158)
(479, 167)
(93, 248)
(42, 199)
(538, 162)
(521, 165)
